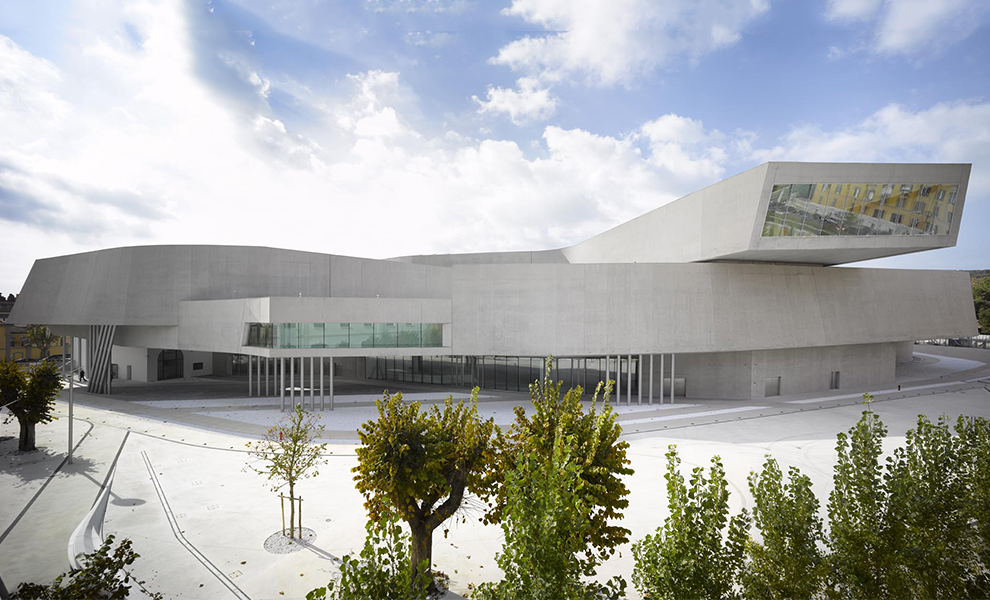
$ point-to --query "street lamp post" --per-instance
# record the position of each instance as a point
(71, 385)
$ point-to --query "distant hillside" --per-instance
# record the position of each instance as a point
(979, 274)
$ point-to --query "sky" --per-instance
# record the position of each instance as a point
(383, 128)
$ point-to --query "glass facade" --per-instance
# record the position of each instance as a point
(512, 373)
(345, 335)
(827, 209)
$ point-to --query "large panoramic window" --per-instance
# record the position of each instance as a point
(827, 209)
(513, 373)
(345, 335)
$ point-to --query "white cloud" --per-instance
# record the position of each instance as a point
(852, 9)
(163, 156)
(28, 89)
(613, 41)
(912, 27)
(946, 132)
(529, 103)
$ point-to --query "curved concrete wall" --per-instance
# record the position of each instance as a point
(143, 285)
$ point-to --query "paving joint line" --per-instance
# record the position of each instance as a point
(51, 477)
(230, 585)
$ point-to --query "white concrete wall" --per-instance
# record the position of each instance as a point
(129, 356)
(142, 286)
(589, 310)
(743, 375)
(714, 221)
(190, 358)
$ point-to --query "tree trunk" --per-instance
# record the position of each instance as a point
(292, 512)
(26, 441)
(422, 549)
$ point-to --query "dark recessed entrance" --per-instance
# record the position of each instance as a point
(170, 364)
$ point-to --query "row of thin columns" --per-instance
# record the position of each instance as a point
(618, 379)
(278, 380)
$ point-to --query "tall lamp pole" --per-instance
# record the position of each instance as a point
(71, 385)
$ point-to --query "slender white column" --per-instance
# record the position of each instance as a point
(673, 381)
(312, 382)
(661, 379)
(331, 383)
(249, 377)
(629, 380)
(267, 388)
(281, 380)
(292, 381)
(651, 380)
(322, 397)
(257, 389)
(618, 379)
(639, 379)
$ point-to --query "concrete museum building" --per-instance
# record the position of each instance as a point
(729, 292)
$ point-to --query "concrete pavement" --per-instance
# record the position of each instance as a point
(199, 519)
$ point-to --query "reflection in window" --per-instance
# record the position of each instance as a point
(386, 335)
(362, 335)
(337, 335)
(345, 335)
(288, 335)
(821, 209)
(311, 335)
(410, 335)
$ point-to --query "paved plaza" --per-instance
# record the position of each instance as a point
(199, 520)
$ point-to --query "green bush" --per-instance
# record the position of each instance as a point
(788, 563)
(691, 556)
(546, 522)
(382, 572)
(104, 575)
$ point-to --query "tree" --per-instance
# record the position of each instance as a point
(688, 557)
(41, 338)
(981, 301)
(597, 451)
(788, 564)
(859, 540)
(928, 517)
(104, 575)
(30, 398)
(418, 465)
(916, 528)
(546, 522)
(383, 570)
(974, 442)
(287, 455)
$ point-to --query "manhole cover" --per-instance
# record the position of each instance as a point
(279, 543)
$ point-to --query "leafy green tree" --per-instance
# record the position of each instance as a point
(928, 518)
(30, 398)
(546, 523)
(41, 338)
(287, 454)
(788, 564)
(700, 550)
(597, 451)
(383, 570)
(981, 301)
(12, 382)
(858, 534)
(974, 441)
(418, 465)
(104, 575)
